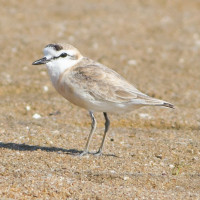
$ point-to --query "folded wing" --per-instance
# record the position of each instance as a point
(104, 84)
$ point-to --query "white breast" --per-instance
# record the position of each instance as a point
(57, 67)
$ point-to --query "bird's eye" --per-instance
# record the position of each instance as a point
(63, 55)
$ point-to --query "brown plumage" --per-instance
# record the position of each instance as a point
(102, 85)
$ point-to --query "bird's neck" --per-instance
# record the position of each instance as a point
(57, 68)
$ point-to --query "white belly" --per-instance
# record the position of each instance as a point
(85, 101)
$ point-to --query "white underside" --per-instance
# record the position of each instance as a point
(83, 99)
(112, 107)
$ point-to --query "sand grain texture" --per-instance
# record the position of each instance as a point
(152, 153)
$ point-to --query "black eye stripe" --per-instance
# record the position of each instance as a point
(62, 55)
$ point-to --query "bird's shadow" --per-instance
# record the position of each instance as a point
(26, 147)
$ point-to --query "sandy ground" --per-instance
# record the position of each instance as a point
(151, 153)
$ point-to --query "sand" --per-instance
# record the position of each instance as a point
(151, 153)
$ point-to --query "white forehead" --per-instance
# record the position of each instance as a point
(49, 51)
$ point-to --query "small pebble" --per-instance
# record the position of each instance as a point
(132, 62)
(171, 166)
(145, 116)
(28, 108)
(45, 88)
(126, 178)
(36, 116)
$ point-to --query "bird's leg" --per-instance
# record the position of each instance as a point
(107, 124)
(93, 127)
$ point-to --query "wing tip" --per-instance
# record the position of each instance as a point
(169, 105)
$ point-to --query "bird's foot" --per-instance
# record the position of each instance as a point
(98, 153)
(83, 153)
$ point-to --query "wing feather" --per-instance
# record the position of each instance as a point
(94, 83)
(104, 84)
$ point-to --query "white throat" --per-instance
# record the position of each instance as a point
(57, 67)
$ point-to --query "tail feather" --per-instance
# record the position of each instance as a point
(162, 103)
(150, 101)
(169, 105)
(158, 102)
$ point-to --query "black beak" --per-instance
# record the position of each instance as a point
(41, 61)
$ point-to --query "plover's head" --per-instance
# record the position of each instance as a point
(57, 54)
(58, 58)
